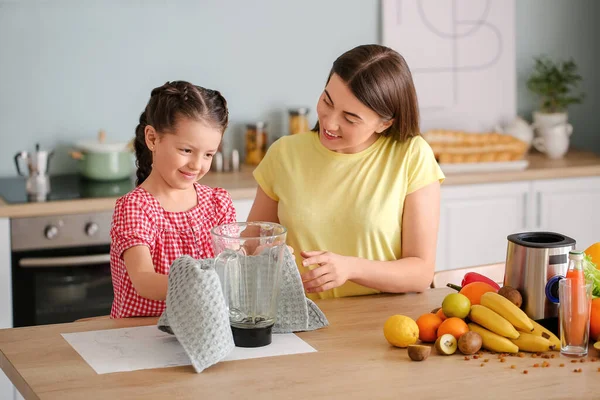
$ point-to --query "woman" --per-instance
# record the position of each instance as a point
(360, 194)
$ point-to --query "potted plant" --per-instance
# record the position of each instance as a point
(554, 83)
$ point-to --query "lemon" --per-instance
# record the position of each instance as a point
(597, 345)
(401, 331)
(456, 305)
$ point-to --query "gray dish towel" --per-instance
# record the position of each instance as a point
(295, 312)
(197, 315)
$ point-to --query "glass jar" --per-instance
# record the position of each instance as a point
(298, 120)
(256, 142)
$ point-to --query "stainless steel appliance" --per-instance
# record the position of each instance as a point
(60, 268)
(535, 262)
(38, 181)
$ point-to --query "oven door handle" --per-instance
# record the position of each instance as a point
(72, 261)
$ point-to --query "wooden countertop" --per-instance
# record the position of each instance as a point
(241, 185)
(353, 361)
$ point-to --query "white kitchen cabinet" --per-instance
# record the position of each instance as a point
(7, 390)
(569, 207)
(242, 208)
(475, 221)
(5, 275)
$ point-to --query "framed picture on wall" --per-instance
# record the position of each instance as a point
(462, 57)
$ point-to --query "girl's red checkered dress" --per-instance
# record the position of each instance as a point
(139, 219)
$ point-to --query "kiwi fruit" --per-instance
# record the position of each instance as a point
(418, 352)
(446, 344)
(511, 294)
(469, 342)
(435, 310)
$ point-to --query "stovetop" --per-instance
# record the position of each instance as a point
(63, 187)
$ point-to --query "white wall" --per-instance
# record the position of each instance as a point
(71, 67)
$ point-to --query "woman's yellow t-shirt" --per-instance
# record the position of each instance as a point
(349, 204)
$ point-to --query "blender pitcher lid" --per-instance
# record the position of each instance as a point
(541, 240)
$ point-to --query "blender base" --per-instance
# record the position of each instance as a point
(550, 323)
(252, 337)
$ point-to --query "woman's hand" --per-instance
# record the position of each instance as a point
(332, 270)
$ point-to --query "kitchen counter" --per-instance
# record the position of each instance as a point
(575, 164)
(353, 361)
(241, 185)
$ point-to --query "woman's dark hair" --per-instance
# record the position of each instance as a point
(380, 78)
(169, 102)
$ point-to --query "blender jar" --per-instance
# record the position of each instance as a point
(249, 261)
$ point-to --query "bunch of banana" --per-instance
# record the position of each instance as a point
(539, 330)
(508, 310)
(492, 341)
(492, 321)
(532, 343)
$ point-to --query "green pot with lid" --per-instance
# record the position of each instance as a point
(104, 161)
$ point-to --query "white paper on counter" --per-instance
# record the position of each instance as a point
(145, 347)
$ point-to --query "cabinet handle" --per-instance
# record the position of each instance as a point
(69, 261)
(538, 208)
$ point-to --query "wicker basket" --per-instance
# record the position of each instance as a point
(450, 147)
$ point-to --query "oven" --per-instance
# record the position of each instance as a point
(60, 268)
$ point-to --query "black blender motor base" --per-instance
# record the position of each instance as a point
(551, 324)
(252, 337)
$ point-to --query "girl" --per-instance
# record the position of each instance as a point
(168, 214)
(360, 194)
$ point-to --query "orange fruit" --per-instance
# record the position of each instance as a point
(440, 313)
(594, 252)
(454, 326)
(428, 325)
(474, 290)
(595, 320)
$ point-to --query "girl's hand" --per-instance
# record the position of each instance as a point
(260, 248)
(332, 270)
(251, 247)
